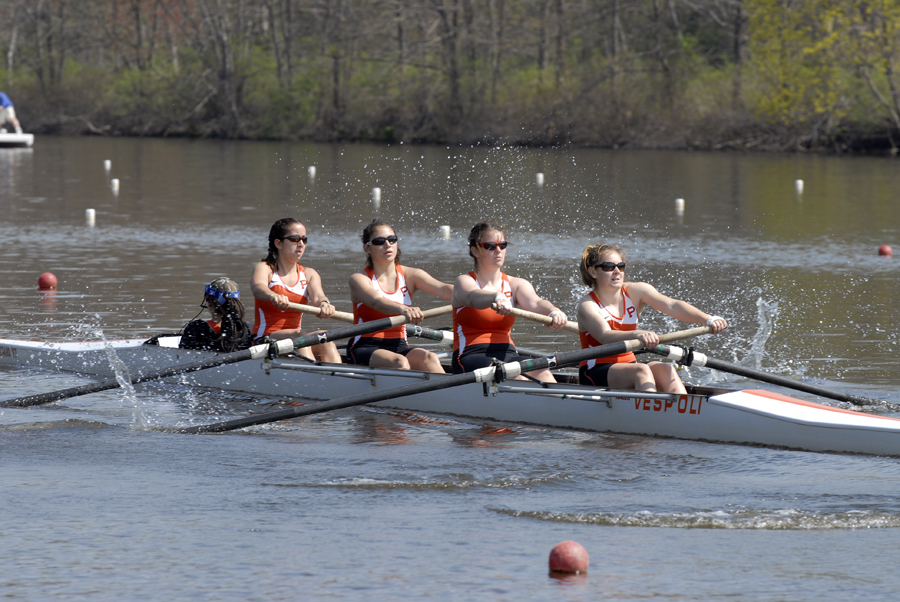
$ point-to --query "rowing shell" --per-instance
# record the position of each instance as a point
(746, 416)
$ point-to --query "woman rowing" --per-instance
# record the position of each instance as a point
(483, 300)
(385, 288)
(226, 330)
(609, 313)
(279, 280)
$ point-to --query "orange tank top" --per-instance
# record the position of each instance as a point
(627, 321)
(268, 318)
(482, 326)
(364, 313)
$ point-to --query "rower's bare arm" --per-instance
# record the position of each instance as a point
(259, 286)
(590, 320)
(467, 294)
(362, 291)
(422, 280)
(527, 298)
(680, 310)
(316, 294)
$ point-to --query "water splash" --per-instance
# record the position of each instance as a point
(766, 312)
(141, 418)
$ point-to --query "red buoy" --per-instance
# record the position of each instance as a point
(47, 280)
(569, 557)
(885, 251)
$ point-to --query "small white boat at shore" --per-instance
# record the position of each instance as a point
(756, 417)
(14, 140)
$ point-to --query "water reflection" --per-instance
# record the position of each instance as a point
(15, 167)
(48, 301)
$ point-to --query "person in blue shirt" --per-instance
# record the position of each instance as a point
(8, 113)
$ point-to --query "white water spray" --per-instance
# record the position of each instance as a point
(123, 377)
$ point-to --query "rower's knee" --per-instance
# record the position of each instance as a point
(399, 362)
(667, 378)
(643, 378)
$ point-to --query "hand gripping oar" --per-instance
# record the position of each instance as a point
(254, 353)
(695, 358)
(540, 318)
(490, 374)
(414, 330)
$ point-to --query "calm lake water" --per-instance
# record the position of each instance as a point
(367, 504)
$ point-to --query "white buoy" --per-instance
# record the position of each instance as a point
(114, 185)
(90, 216)
(799, 186)
(107, 165)
(679, 206)
(376, 194)
(312, 172)
(445, 231)
(540, 179)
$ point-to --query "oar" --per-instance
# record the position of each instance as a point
(482, 375)
(540, 318)
(443, 336)
(694, 358)
(254, 353)
(341, 316)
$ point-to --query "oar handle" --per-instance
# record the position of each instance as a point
(316, 311)
(684, 334)
(347, 317)
(539, 318)
(358, 329)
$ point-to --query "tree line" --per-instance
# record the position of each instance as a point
(716, 74)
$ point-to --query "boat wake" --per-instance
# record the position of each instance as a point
(459, 481)
(788, 519)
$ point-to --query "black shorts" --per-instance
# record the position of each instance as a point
(482, 356)
(598, 376)
(361, 352)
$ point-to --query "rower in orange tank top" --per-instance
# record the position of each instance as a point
(610, 312)
(384, 288)
(279, 280)
(483, 334)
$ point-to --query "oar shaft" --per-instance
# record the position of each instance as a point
(700, 360)
(341, 316)
(433, 384)
(509, 370)
(539, 318)
(412, 330)
(580, 355)
(443, 336)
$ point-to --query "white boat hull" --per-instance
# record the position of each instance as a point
(16, 140)
(749, 417)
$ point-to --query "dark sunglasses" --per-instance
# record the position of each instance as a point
(490, 246)
(296, 238)
(608, 266)
(383, 239)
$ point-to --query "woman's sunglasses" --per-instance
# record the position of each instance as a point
(490, 246)
(383, 239)
(608, 266)
(296, 238)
